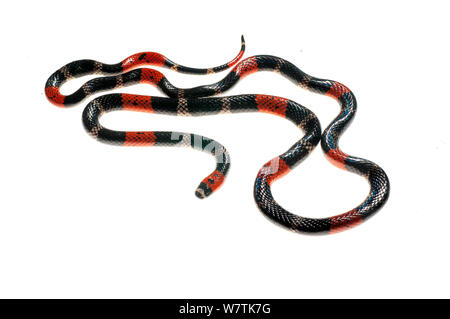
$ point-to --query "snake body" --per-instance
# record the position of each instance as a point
(80, 68)
(195, 101)
(299, 115)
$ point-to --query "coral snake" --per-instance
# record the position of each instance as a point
(198, 101)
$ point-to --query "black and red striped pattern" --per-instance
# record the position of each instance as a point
(84, 67)
(187, 102)
(296, 113)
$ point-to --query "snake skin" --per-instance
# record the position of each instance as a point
(294, 112)
(80, 68)
(192, 101)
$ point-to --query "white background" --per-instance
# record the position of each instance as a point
(82, 219)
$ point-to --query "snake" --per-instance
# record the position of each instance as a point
(200, 101)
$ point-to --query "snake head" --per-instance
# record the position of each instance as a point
(210, 184)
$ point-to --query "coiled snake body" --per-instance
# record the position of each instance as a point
(196, 101)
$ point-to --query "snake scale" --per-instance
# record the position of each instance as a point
(198, 101)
